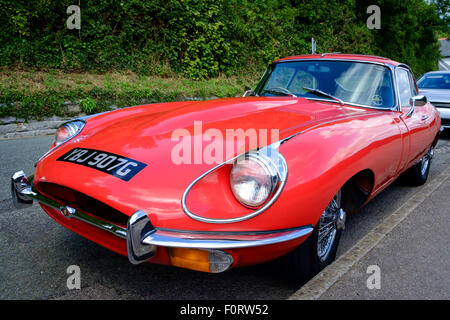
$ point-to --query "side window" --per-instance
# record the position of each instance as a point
(412, 84)
(404, 87)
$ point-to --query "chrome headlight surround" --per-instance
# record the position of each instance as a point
(68, 130)
(255, 176)
(73, 127)
(273, 158)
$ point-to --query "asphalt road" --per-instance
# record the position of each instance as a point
(35, 251)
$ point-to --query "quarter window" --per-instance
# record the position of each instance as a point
(404, 87)
(412, 84)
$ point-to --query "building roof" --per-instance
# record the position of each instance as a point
(445, 47)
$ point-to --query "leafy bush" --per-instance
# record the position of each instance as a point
(88, 105)
(205, 38)
(36, 94)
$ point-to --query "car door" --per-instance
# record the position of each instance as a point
(418, 121)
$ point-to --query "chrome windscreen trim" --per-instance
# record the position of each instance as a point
(354, 104)
(387, 64)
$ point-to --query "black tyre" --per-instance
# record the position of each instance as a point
(417, 175)
(319, 250)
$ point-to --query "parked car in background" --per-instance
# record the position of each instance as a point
(347, 126)
(435, 86)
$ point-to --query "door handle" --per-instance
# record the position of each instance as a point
(423, 118)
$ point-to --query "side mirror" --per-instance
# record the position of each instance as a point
(248, 92)
(416, 101)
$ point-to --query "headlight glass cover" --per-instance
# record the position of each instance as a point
(253, 178)
(68, 130)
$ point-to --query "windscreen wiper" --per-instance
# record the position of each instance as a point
(283, 91)
(324, 94)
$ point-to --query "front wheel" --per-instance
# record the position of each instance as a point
(418, 173)
(319, 250)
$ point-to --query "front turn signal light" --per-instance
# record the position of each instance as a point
(213, 261)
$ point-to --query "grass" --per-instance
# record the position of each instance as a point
(37, 94)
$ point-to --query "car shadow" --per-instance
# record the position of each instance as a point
(149, 281)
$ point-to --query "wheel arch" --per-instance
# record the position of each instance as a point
(436, 139)
(356, 191)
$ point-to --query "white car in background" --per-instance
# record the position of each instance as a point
(435, 86)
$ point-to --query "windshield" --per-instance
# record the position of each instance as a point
(435, 81)
(352, 82)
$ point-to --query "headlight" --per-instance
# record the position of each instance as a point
(257, 179)
(254, 177)
(68, 130)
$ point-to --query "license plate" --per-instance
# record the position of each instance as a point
(110, 163)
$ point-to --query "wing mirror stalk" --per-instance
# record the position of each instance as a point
(416, 101)
(248, 92)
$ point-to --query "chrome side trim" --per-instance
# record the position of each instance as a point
(275, 145)
(142, 237)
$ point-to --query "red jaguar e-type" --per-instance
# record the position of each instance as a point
(212, 185)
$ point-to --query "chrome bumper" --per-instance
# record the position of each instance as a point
(445, 115)
(142, 238)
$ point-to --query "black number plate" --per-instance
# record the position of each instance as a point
(110, 163)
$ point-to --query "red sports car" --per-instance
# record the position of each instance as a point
(212, 185)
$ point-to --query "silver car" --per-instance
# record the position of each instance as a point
(435, 86)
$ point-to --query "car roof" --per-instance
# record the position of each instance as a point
(342, 56)
(438, 72)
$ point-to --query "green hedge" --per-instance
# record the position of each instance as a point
(204, 38)
(39, 94)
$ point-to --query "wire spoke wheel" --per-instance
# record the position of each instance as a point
(320, 248)
(417, 175)
(328, 228)
(426, 161)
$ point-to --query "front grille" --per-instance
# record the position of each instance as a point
(445, 122)
(441, 104)
(79, 201)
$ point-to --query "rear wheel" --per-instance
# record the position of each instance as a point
(319, 250)
(418, 174)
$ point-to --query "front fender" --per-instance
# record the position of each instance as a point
(320, 161)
